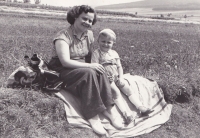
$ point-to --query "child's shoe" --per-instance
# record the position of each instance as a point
(128, 119)
(144, 111)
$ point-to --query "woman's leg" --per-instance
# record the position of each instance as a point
(95, 95)
(94, 92)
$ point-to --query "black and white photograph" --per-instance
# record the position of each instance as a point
(99, 68)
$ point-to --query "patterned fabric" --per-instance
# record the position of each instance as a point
(108, 60)
(79, 48)
(149, 94)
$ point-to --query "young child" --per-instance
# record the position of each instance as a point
(110, 60)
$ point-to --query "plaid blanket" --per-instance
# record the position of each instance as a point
(149, 94)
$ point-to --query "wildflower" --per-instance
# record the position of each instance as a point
(175, 40)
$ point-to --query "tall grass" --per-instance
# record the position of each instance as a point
(167, 53)
(29, 114)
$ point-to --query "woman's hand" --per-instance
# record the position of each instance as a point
(98, 67)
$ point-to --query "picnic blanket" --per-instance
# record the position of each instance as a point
(149, 94)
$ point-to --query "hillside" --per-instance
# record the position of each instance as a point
(155, 4)
(161, 51)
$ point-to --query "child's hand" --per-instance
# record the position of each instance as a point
(120, 82)
(110, 78)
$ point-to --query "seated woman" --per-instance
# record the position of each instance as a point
(87, 81)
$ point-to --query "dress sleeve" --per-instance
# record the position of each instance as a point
(62, 35)
(115, 54)
(95, 57)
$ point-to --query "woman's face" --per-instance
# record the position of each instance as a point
(105, 43)
(84, 21)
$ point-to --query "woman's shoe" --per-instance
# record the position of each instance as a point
(116, 121)
(95, 122)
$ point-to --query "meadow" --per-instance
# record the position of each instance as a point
(167, 53)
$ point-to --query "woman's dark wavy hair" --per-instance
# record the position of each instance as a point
(75, 11)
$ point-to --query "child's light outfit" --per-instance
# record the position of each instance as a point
(108, 60)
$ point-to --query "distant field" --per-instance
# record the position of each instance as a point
(193, 15)
(167, 53)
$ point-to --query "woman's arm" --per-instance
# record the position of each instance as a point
(95, 57)
(62, 49)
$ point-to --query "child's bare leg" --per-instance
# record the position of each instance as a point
(120, 103)
(126, 89)
(118, 97)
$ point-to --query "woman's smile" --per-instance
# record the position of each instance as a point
(84, 21)
(86, 25)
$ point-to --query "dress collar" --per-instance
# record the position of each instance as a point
(85, 34)
(102, 52)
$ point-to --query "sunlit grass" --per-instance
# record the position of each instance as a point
(167, 53)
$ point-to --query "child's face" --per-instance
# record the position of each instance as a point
(105, 43)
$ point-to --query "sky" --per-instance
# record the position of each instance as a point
(93, 3)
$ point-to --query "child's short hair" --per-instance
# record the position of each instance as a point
(108, 32)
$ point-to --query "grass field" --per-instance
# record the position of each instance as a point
(167, 53)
